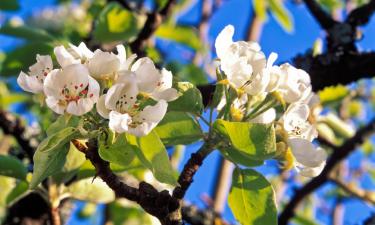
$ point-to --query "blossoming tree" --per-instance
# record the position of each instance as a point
(108, 111)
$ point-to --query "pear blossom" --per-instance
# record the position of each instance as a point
(295, 84)
(296, 124)
(33, 81)
(310, 161)
(124, 111)
(71, 90)
(267, 117)
(157, 84)
(243, 62)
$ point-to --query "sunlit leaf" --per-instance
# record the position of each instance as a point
(281, 14)
(119, 151)
(190, 99)
(117, 24)
(50, 155)
(178, 128)
(182, 35)
(92, 190)
(252, 198)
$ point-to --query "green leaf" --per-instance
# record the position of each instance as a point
(117, 24)
(12, 167)
(254, 141)
(92, 190)
(178, 128)
(236, 157)
(151, 152)
(161, 3)
(281, 14)
(62, 122)
(180, 34)
(26, 32)
(190, 99)
(50, 155)
(23, 57)
(120, 152)
(9, 5)
(17, 192)
(193, 74)
(252, 199)
(260, 8)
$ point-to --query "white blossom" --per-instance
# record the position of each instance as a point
(125, 113)
(310, 161)
(243, 62)
(71, 90)
(33, 81)
(268, 116)
(157, 84)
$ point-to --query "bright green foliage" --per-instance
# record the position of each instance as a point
(178, 128)
(23, 57)
(190, 99)
(255, 142)
(50, 155)
(61, 122)
(252, 199)
(151, 152)
(183, 35)
(26, 32)
(193, 74)
(9, 5)
(281, 14)
(92, 190)
(17, 192)
(117, 24)
(12, 167)
(119, 151)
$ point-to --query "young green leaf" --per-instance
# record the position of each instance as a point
(50, 155)
(281, 14)
(17, 192)
(26, 32)
(12, 167)
(117, 24)
(120, 152)
(92, 190)
(62, 122)
(252, 198)
(190, 99)
(255, 141)
(153, 155)
(178, 128)
(183, 35)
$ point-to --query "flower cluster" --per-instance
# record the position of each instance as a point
(259, 86)
(132, 95)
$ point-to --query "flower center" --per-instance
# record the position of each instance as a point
(75, 92)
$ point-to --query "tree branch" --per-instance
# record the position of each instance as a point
(191, 167)
(12, 125)
(338, 155)
(354, 191)
(361, 15)
(324, 19)
(153, 21)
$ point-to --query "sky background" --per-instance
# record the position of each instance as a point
(273, 39)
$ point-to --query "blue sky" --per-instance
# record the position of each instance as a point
(273, 39)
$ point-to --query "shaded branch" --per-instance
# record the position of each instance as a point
(324, 19)
(153, 21)
(337, 156)
(191, 167)
(12, 125)
(361, 15)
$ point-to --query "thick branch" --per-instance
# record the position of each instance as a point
(332, 69)
(12, 125)
(153, 21)
(324, 19)
(339, 154)
(361, 15)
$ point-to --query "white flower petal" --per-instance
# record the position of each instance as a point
(305, 153)
(103, 65)
(168, 95)
(80, 107)
(55, 105)
(63, 57)
(119, 122)
(267, 117)
(224, 40)
(29, 83)
(100, 107)
(312, 171)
